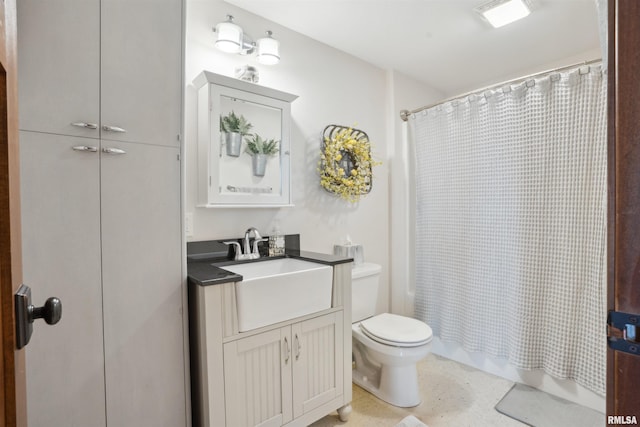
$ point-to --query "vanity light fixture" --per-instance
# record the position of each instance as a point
(502, 12)
(231, 38)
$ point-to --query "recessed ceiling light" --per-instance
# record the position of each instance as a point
(503, 12)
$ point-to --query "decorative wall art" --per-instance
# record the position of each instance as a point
(346, 166)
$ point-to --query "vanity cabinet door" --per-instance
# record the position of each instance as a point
(280, 375)
(60, 189)
(141, 71)
(257, 379)
(317, 362)
(59, 66)
(142, 292)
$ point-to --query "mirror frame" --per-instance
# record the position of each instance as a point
(211, 87)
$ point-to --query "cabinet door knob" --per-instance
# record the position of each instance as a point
(113, 129)
(111, 150)
(85, 125)
(85, 148)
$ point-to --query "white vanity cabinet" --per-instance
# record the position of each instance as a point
(101, 212)
(276, 376)
(291, 373)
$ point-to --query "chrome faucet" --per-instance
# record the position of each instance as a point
(248, 253)
(257, 238)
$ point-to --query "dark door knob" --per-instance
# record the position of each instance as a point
(51, 311)
(26, 313)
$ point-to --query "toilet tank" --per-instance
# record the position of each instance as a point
(365, 280)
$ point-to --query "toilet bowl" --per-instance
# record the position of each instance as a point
(387, 369)
(386, 347)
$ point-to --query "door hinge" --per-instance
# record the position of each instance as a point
(622, 332)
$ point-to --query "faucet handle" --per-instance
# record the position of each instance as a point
(236, 247)
(255, 244)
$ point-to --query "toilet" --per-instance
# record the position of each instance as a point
(386, 347)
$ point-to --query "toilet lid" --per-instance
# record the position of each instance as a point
(396, 330)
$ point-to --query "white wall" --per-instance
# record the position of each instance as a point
(333, 88)
(586, 56)
(403, 93)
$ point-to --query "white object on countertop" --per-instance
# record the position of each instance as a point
(350, 250)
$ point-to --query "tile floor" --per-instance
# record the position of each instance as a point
(453, 394)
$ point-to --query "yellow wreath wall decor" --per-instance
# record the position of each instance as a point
(345, 164)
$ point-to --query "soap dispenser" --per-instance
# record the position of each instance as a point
(276, 242)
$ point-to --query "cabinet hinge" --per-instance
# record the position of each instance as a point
(622, 332)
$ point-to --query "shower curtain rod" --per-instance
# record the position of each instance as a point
(404, 114)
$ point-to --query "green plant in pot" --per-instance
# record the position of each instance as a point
(260, 150)
(234, 128)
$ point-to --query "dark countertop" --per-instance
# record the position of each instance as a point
(210, 271)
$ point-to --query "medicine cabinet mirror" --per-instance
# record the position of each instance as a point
(243, 143)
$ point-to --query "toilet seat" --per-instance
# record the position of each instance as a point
(397, 331)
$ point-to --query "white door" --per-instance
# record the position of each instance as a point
(142, 285)
(61, 256)
(257, 379)
(59, 66)
(317, 362)
(141, 81)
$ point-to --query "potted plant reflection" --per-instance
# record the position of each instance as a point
(260, 150)
(234, 128)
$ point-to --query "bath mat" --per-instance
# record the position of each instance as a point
(411, 421)
(539, 409)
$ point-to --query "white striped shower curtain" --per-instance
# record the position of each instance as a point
(511, 223)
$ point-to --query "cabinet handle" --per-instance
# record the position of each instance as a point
(110, 150)
(85, 125)
(113, 129)
(85, 148)
(298, 347)
(287, 350)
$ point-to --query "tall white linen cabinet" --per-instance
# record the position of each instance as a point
(100, 85)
